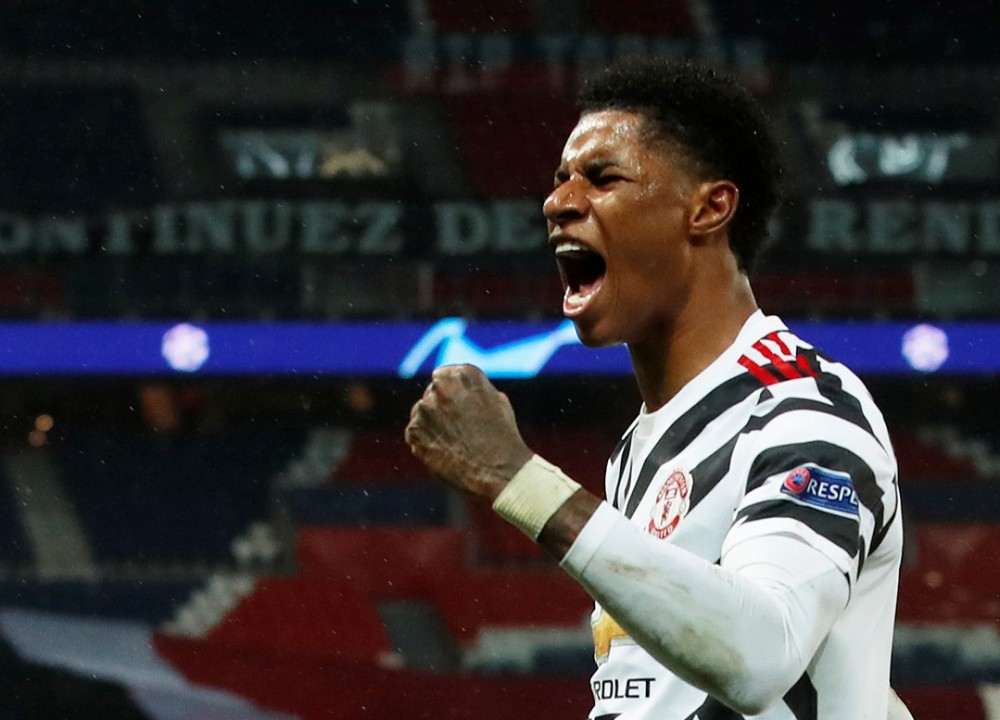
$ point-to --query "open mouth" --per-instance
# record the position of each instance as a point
(582, 271)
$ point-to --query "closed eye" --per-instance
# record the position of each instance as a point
(606, 179)
(601, 173)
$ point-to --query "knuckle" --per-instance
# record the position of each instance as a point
(442, 373)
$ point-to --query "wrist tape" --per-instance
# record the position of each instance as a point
(533, 495)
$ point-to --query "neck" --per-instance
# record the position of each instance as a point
(701, 332)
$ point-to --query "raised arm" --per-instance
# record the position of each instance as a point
(743, 630)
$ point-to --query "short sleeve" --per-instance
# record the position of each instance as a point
(814, 476)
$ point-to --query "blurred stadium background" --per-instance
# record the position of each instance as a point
(180, 539)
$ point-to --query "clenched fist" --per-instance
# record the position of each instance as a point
(464, 430)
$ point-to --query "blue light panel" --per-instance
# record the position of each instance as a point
(502, 349)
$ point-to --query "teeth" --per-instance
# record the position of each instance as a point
(570, 246)
(576, 300)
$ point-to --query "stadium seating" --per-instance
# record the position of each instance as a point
(378, 456)
(152, 601)
(30, 293)
(860, 30)
(836, 294)
(95, 149)
(481, 16)
(434, 564)
(500, 294)
(951, 575)
(379, 482)
(511, 147)
(922, 460)
(635, 17)
(360, 504)
(196, 492)
(14, 545)
(222, 30)
(382, 455)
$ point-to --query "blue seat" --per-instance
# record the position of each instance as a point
(360, 504)
(149, 601)
(171, 499)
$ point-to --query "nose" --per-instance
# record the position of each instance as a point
(564, 204)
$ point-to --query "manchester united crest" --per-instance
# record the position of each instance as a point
(671, 505)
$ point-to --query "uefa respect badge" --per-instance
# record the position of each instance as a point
(823, 488)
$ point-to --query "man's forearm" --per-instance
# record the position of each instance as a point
(562, 529)
(742, 636)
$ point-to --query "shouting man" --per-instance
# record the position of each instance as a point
(745, 559)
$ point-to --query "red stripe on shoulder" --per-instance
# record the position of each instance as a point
(803, 362)
(784, 367)
(762, 374)
(776, 339)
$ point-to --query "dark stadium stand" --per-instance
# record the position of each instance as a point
(96, 147)
(635, 17)
(382, 455)
(920, 460)
(30, 293)
(833, 294)
(433, 564)
(861, 31)
(364, 504)
(488, 294)
(951, 576)
(510, 143)
(189, 29)
(378, 456)
(151, 601)
(196, 493)
(14, 546)
(379, 482)
(481, 16)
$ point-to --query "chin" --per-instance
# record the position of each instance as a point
(592, 337)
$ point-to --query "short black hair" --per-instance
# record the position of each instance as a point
(718, 124)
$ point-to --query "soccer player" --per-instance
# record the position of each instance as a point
(745, 559)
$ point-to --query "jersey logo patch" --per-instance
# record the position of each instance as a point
(671, 505)
(606, 631)
(823, 488)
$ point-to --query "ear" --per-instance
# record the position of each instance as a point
(713, 207)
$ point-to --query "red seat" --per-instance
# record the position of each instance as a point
(28, 291)
(835, 293)
(580, 452)
(496, 541)
(339, 689)
(435, 565)
(510, 144)
(313, 618)
(944, 703)
(481, 16)
(952, 574)
(921, 460)
(670, 18)
(377, 456)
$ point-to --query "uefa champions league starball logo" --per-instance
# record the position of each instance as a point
(925, 347)
(185, 347)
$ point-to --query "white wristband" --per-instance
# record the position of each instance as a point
(533, 495)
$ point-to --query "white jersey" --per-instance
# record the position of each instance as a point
(773, 442)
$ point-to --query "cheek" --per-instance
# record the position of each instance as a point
(654, 254)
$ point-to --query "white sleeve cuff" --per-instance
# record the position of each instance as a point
(591, 538)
